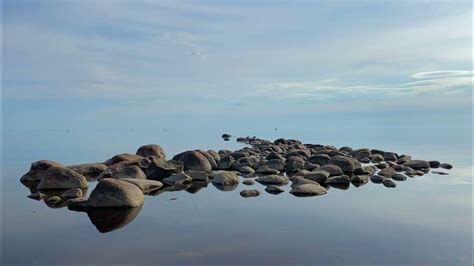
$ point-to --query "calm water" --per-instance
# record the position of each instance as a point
(424, 221)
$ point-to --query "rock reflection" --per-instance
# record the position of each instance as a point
(226, 187)
(110, 219)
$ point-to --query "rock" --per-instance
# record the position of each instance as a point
(263, 169)
(53, 200)
(248, 193)
(111, 192)
(387, 172)
(209, 158)
(274, 155)
(377, 179)
(444, 166)
(361, 153)
(77, 204)
(250, 161)
(434, 164)
(160, 169)
(333, 170)
(224, 178)
(272, 180)
(399, 177)
(439, 173)
(277, 164)
(417, 164)
(152, 150)
(247, 170)
(299, 180)
(197, 175)
(390, 156)
(320, 159)
(347, 164)
(364, 160)
(145, 185)
(72, 193)
(389, 183)
(294, 163)
(226, 136)
(310, 166)
(193, 160)
(248, 182)
(360, 179)
(38, 170)
(381, 165)
(225, 162)
(37, 195)
(90, 170)
(124, 157)
(319, 176)
(272, 189)
(129, 171)
(376, 158)
(308, 190)
(397, 168)
(238, 155)
(180, 178)
(59, 177)
(342, 179)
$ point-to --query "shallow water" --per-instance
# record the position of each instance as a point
(424, 221)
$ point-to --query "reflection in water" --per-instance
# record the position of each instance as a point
(228, 187)
(110, 219)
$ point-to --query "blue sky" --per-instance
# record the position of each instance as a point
(122, 63)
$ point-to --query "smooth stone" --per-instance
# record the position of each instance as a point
(249, 193)
(246, 170)
(294, 163)
(214, 155)
(61, 178)
(225, 178)
(38, 170)
(376, 158)
(193, 160)
(129, 171)
(180, 178)
(446, 166)
(434, 164)
(124, 157)
(308, 190)
(299, 180)
(397, 168)
(360, 179)
(417, 164)
(248, 182)
(333, 170)
(160, 169)
(72, 193)
(111, 192)
(360, 153)
(342, 179)
(387, 172)
(347, 164)
(274, 155)
(225, 162)
(346, 149)
(320, 159)
(381, 165)
(272, 180)
(37, 195)
(390, 156)
(273, 189)
(399, 177)
(364, 160)
(153, 150)
(89, 170)
(389, 183)
(263, 169)
(209, 158)
(145, 185)
(377, 179)
(310, 166)
(277, 164)
(197, 175)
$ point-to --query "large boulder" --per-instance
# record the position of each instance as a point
(111, 192)
(332, 169)
(193, 160)
(342, 179)
(90, 170)
(272, 180)
(160, 169)
(38, 170)
(320, 159)
(59, 177)
(152, 150)
(308, 190)
(124, 157)
(224, 178)
(294, 164)
(417, 164)
(225, 162)
(347, 164)
(145, 185)
(388, 172)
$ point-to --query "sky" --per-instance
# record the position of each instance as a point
(114, 64)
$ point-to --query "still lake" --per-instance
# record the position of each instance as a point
(423, 221)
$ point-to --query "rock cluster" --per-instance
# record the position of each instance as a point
(312, 169)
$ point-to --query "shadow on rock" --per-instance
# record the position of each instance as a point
(110, 219)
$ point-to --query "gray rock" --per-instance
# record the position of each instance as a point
(225, 162)
(145, 185)
(364, 160)
(214, 155)
(397, 168)
(193, 160)
(111, 192)
(73, 193)
(399, 177)
(272, 180)
(77, 204)
(124, 157)
(180, 178)
(90, 170)
(277, 164)
(153, 150)
(319, 176)
(274, 155)
(381, 165)
(272, 189)
(249, 193)
(129, 171)
(61, 178)
(209, 158)
(389, 183)
(377, 179)
(360, 179)
(333, 170)
(225, 178)
(197, 175)
(390, 156)
(248, 182)
(38, 170)
(346, 149)
(294, 163)
(160, 169)
(299, 180)
(320, 159)
(263, 169)
(342, 179)
(445, 166)
(347, 164)
(310, 166)
(387, 172)
(247, 170)
(308, 190)
(53, 200)
(361, 153)
(418, 164)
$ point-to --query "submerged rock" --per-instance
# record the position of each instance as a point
(272, 180)
(417, 164)
(446, 166)
(248, 182)
(153, 150)
(72, 193)
(160, 169)
(308, 190)
(273, 189)
(225, 178)
(389, 183)
(90, 170)
(193, 160)
(145, 185)
(111, 192)
(249, 193)
(180, 178)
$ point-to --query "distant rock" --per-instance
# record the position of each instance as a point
(434, 164)
(249, 193)
(225, 178)
(90, 170)
(153, 150)
(446, 166)
(160, 169)
(111, 192)
(226, 136)
(129, 171)
(273, 189)
(418, 164)
(122, 158)
(193, 160)
(347, 164)
(389, 183)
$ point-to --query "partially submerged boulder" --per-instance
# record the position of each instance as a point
(59, 177)
(308, 190)
(111, 192)
(272, 180)
(124, 157)
(193, 160)
(38, 170)
(153, 150)
(160, 169)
